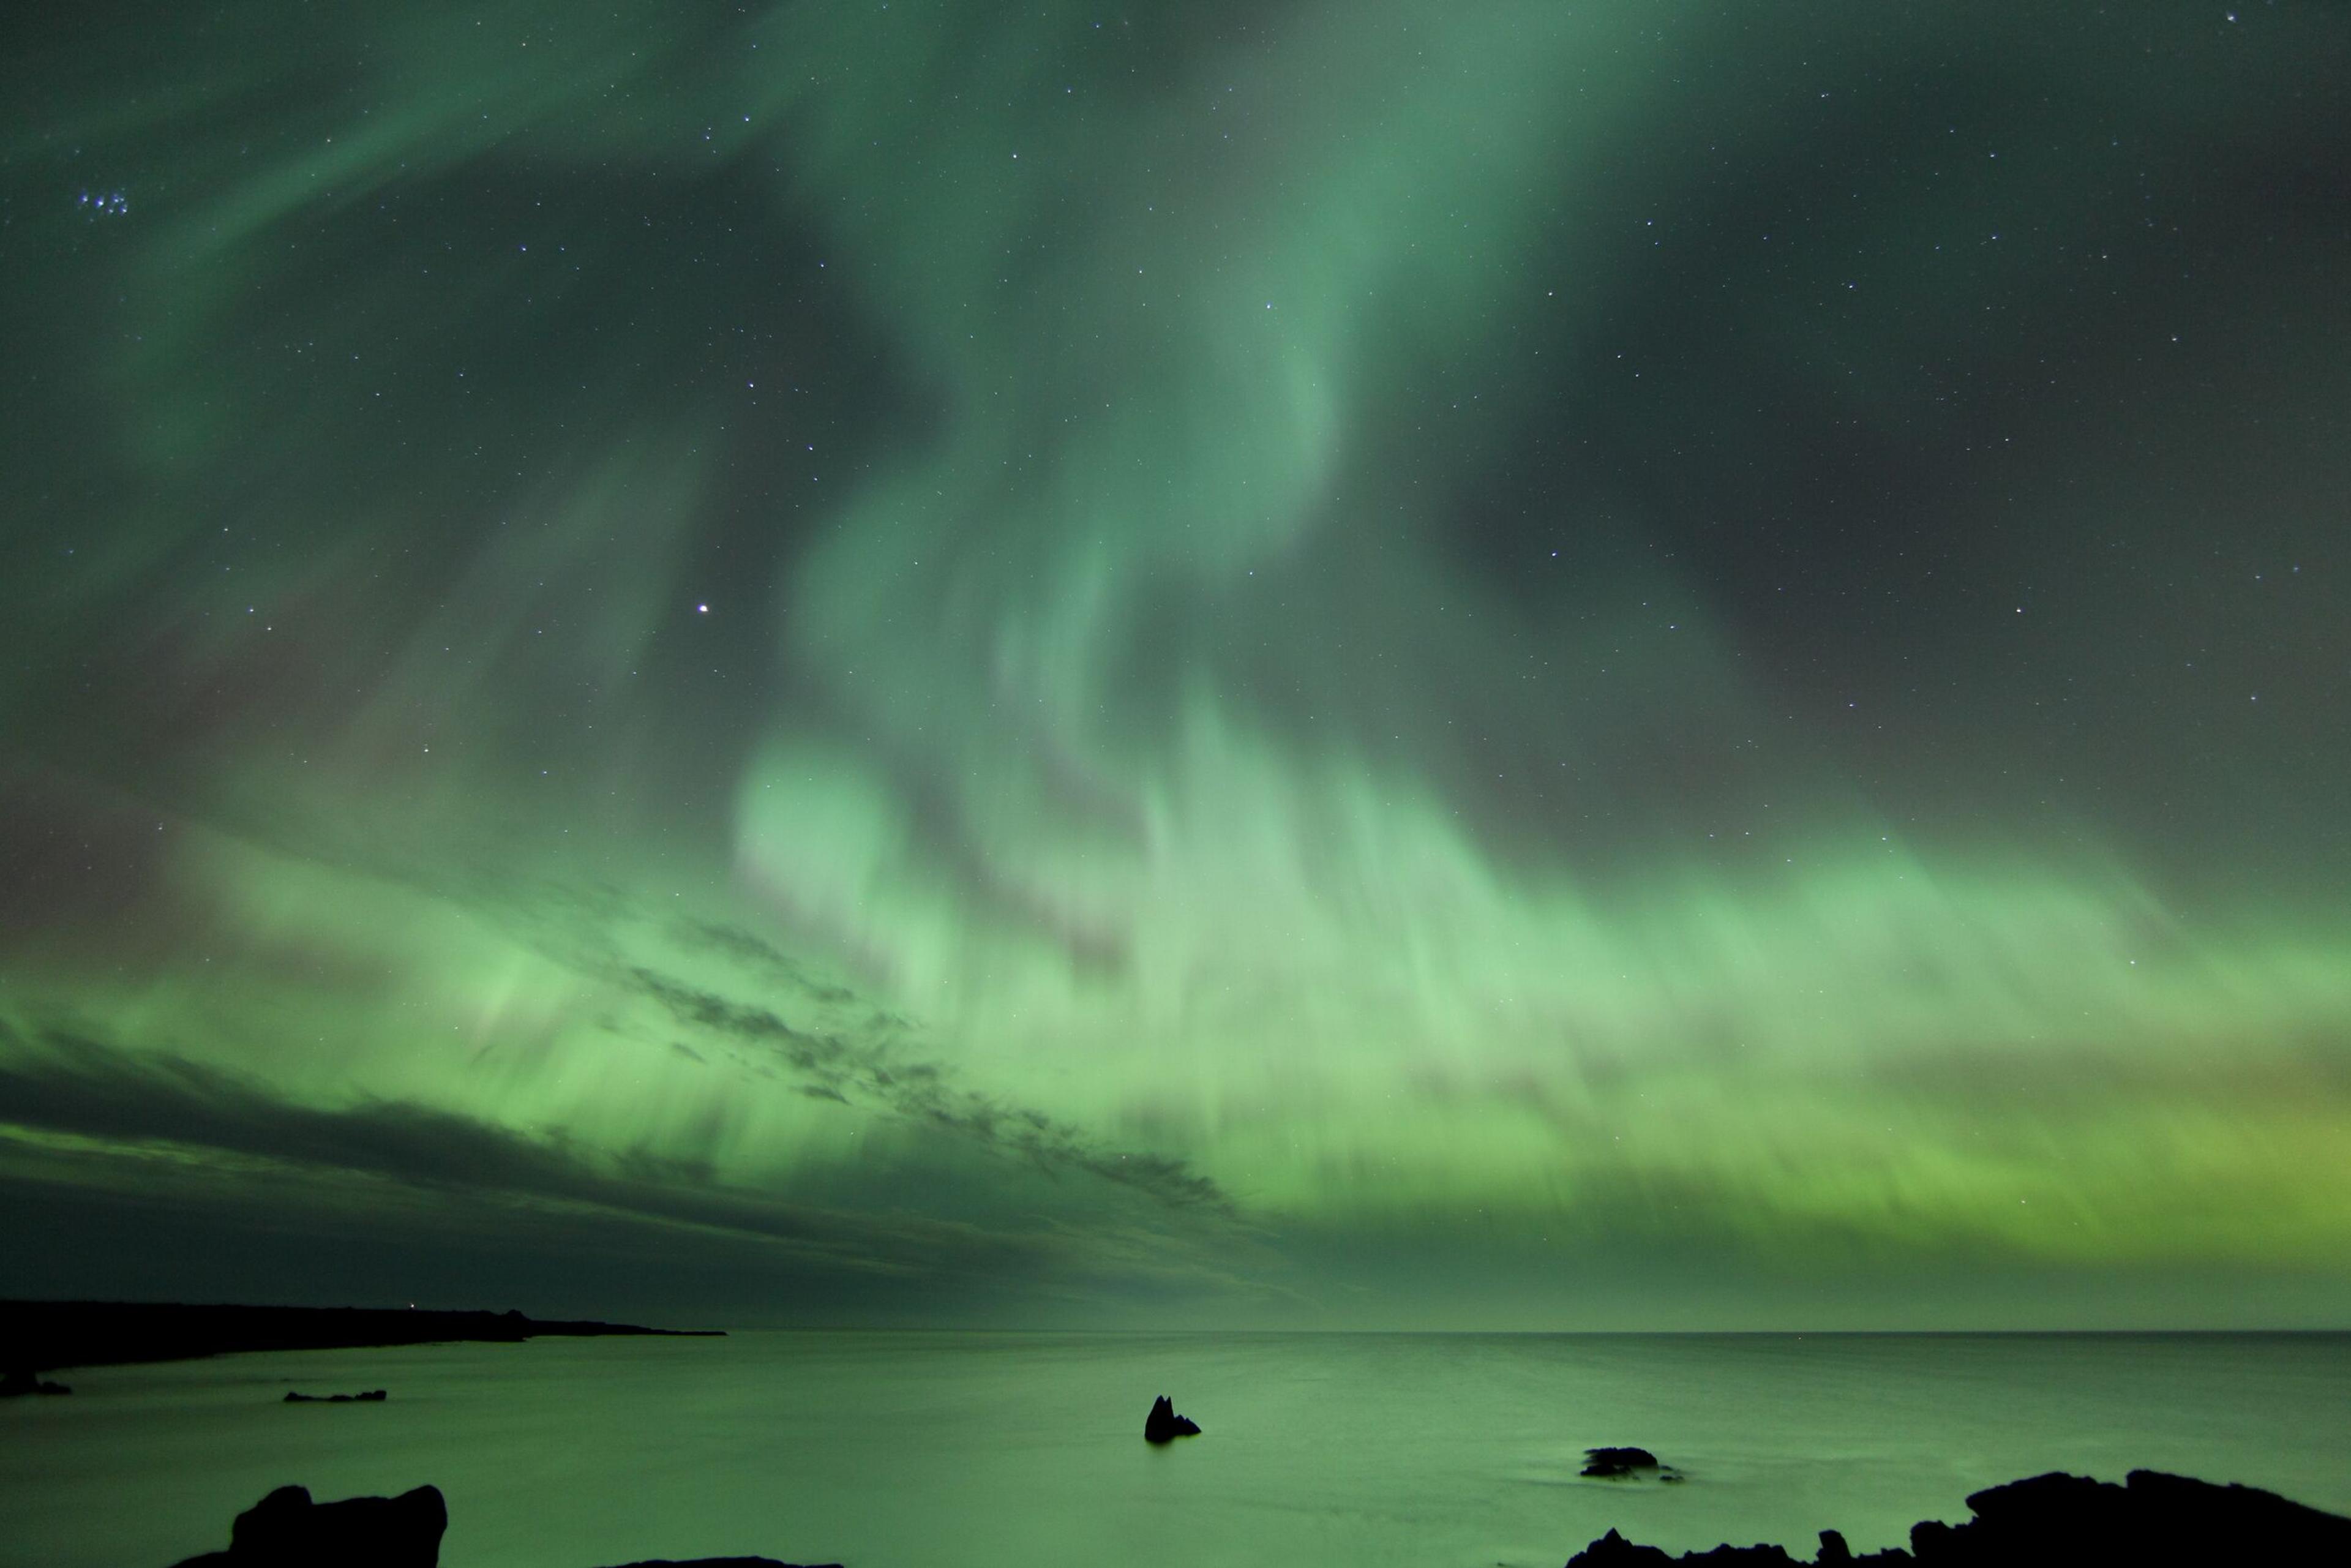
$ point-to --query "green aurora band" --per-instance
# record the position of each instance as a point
(835, 639)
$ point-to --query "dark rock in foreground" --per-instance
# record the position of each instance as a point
(372, 1396)
(2061, 1518)
(1613, 1551)
(1163, 1425)
(287, 1529)
(22, 1381)
(46, 1334)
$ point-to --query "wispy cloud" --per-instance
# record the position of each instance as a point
(89, 1091)
(925, 1092)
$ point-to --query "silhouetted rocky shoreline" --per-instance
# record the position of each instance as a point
(2151, 1518)
(40, 1336)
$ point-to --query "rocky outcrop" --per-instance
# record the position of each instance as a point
(22, 1381)
(2150, 1518)
(1613, 1551)
(287, 1529)
(1616, 1464)
(1164, 1425)
(372, 1396)
(2062, 1518)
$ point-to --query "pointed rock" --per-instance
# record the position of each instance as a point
(1163, 1425)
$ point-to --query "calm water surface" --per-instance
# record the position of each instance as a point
(899, 1450)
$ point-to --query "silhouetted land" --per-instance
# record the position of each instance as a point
(37, 1336)
(2048, 1519)
(2059, 1518)
(20, 1380)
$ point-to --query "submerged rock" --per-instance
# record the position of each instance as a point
(2058, 1518)
(22, 1381)
(287, 1529)
(1163, 1425)
(1617, 1461)
(372, 1396)
(725, 1562)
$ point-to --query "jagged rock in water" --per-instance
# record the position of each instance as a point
(287, 1529)
(1163, 1425)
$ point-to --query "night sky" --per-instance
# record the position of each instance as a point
(1366, 663)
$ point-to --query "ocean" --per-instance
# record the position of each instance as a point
(986, 1450)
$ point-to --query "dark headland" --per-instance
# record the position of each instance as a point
(41, 1336)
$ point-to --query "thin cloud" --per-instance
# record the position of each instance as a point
(924, 1093)
(68, 1085)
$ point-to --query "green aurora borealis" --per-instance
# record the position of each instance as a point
(1388, 663)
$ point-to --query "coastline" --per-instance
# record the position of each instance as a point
(46, 1337)
(2055, 1518)
(1003, 1451)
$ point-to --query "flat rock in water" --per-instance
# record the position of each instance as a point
(1611, 1462)
(723, 1562)
(372, 1396)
